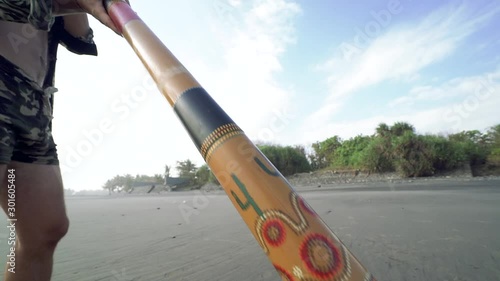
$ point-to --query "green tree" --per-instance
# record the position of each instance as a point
(287, 159)
(493, 158)
(474, 144)
(119, 183)
(351, 153)
(323, 152)
(493, 136)
(383, 130)
(158, 178)
(378, 155)
(213, 179)
(400, 128)
(446, 154)
(412, 155)
(150, 179)
(203, 174)
(186, 169)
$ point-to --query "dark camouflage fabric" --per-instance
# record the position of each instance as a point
(25, 119)
(35, 12)
(25, 107)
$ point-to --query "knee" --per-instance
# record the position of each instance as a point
(47, 236)
(55, 231)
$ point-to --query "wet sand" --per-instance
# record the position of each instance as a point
(419, 234)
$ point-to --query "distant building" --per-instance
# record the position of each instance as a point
(174, 183)
(143, 187)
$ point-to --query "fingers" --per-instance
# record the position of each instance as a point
(101, 14)
(97, 10)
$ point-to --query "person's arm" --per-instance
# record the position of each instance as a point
(77, 25)
(76, 35)
(41, 13)
(93, 7)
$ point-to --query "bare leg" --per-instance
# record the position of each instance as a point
(41, 218)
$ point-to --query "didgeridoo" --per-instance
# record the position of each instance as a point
(298, 243)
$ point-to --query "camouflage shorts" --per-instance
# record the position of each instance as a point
(25, 119)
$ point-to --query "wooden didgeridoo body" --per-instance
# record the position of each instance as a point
(296, 240)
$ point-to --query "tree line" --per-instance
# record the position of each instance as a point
(125, 183)
(187, 170)
(399, 148)
(391, 148)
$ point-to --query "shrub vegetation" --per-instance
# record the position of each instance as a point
(397, 148)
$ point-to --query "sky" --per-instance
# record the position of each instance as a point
(287, 72)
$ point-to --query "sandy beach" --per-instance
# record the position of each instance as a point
(411, 232)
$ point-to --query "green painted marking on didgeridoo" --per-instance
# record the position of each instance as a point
(250, 201)
(265, 169)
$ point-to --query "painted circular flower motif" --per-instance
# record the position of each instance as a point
(274, 232)
(321, 256)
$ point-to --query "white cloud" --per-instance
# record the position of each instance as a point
(399, 54)
(455, 88)
(252, 50)
(476, 109)
(234, 2)
(235, 62)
